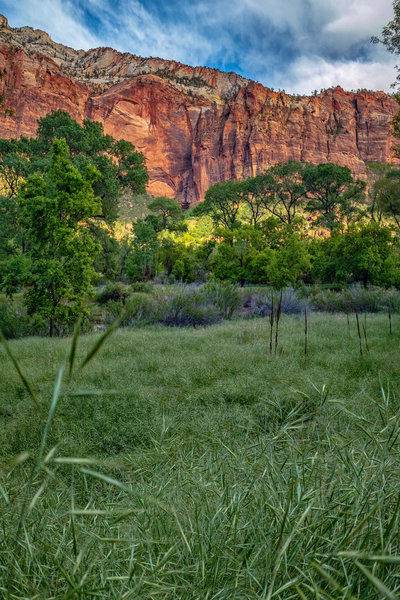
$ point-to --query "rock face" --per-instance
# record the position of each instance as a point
(196, 126)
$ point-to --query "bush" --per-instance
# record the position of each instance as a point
(261, 304)
(143, 287)
(223, 295)
(187, 308)
(138, 308)
(372, 299)
(113, 292)
(16, 323)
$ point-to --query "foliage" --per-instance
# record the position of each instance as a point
(222, 203)
(53, 210)
(288, 263)
(14, 166)
(195, 81)
(16, 323)
(140, 263)
(372, 299)
(169, 211)
(119, 165)
(360, 254)
(279, 191)
(390, 36)
(133, 310)
(261, 303)
(109, 262)
(332, 193)
(187, 308)
(233, 258)
(387, 194)
(223, 295)
(376, 171)
(113, 292)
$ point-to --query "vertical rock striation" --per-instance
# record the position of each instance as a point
(196, 126)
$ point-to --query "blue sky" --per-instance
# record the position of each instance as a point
(296, 45)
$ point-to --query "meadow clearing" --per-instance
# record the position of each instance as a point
(191, 463)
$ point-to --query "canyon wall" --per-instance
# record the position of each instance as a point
(196, 126)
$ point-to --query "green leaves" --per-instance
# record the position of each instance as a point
(53, 210)
(387, 194)
(332, 193)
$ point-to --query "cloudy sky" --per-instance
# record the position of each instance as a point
(296, 45)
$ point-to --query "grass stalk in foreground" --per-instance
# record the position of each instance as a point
(212, 471)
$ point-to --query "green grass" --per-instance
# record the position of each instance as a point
(209, 468)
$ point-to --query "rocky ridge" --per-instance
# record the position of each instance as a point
(195, 125)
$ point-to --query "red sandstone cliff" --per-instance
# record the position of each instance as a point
(196, 126)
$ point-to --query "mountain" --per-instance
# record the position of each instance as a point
(195, 125)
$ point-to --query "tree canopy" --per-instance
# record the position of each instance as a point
(332, 193)
(120, 166)
(53, 209)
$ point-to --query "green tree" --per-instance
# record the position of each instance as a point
(279, 191)
(289, 263)
(376, 171)
(254, 190)
(222, 203)
(359, 254)
(386, 192)
(109, 261)
(235, 255)
(169, 211)
(14, 165)
(141, 261)
(332, 193)
(120, 167)
(178, 270)
(286, 190)
(390, 36)
(54, 208)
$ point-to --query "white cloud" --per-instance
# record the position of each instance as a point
(61, 19)
(358, 18)
(328, 38)
(309, 73)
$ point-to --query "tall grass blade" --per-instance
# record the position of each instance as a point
(4, 494)
(271, 325)
(305, 332)
(24, 380)
(332, 581)
(74, 343)
(99, 343)
(283, 551)
(358, 330)
(106, 479)
(377, 583)
(53, 405)
(37, 465)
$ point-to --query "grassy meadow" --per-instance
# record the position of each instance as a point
(190, 463)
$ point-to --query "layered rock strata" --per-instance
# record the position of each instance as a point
(196, 126)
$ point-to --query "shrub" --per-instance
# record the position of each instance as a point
(16, 323)
(372, 299)
(187, 308)
(223, 295)
(261, 304)
(143, 287)
(113, 292)
(138, 308)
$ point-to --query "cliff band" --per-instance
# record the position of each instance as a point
(196, 126)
